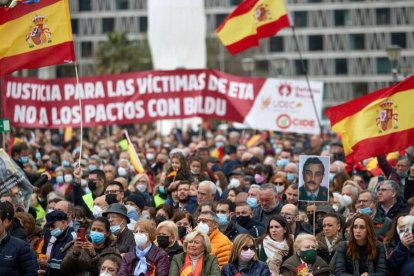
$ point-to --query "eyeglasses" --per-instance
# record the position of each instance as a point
(112, 192)
(203, 220)
(251, 247)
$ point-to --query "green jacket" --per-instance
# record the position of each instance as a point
(210, 265)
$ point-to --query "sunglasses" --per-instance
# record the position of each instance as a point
(245, 248)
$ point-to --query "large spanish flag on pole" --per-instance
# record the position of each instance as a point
(251, 21)
(377, 123)
(35, 35)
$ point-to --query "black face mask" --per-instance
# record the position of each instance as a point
(163, 241)
(243, 220)
(91, 185)
(182, 231)
(111, 198)
(159, 219)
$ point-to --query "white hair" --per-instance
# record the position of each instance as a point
(210, 185)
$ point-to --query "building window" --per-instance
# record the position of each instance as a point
(360, 89)
(235, 2)
(86, 49)
(276, 44)
(399, 39)
(108, 25)
(314, 1)
(356, 42)
(341, 66)
(121, 4)
(85, 5)
(75, 26)
(219, 19)
(341, 18)
(315, 42)
(383, 66)
(143, 24)
(301, 18)
(383, 16)
(298, 67)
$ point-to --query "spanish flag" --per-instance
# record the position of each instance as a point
(377, 123)
(35, 35)
(251, 21)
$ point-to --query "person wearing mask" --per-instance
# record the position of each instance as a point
(225, 211)
(167, 238)
(109, 265)
(399, 173)
(330, 237)
(398, 228)
(146, 257)
(208, 223)
(135, 204)
(16, 258)
(269, 205)
(390, 203)
(280, 183)
(124, 169)
(83, 256)
(305, 261)
(99, 206)
(196, 258)
(140, 184)
(59, 235)
(117, 215)
(291, 213)
(253, 196)
(244, 217)
(67, 207)
(277, 244)
(367, 204)
(362, 254)
(184, 222)
(115, 190)
(243, 259)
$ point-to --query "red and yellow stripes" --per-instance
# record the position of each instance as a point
(378, 123)
(35, 35)
(251, 21)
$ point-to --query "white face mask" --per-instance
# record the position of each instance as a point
(140, 239)
(105, 274)
(280, 189)
(68, 178)
(141, 187)
(234, 183)
(122, 171)
(203, 228)
(97, 211)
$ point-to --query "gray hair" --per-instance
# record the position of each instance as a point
(374, 196)
(211, 185)
(268, 186)
(191, 236)
(392, 184)
(213, 216)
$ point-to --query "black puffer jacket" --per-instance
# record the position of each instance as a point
(16, 257)
(254, 268)
(346, 266)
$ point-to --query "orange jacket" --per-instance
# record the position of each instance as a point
(220, 247)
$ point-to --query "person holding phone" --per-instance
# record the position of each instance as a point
(84, 254)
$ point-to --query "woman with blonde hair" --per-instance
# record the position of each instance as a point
(167, 238)
(196, 259)
(244, 260)
(305, 261)
(140, 184)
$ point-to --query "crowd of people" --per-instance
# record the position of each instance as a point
(221, 202)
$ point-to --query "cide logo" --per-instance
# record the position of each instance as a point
(284, 121)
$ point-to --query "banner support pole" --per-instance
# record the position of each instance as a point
(307, 78)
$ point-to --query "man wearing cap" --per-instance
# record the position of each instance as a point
(59, 233)
(313, 174)
(117, 215)
(16, 256)
(135, 204)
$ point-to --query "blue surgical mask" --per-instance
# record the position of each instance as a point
(97, 237)
(367, 211)
(59, 179)
(222, 219)
(56, 232)
(331, 176)
(161, 189)
(92, 167)
(290, 177)
(252, 201)
(24, 159)
(403, 175)
(282, 162)
(115, 229)
(38, 156)
(219, 144)
(65, 163)
(133, 215)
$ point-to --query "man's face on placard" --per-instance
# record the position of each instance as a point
(312, 176)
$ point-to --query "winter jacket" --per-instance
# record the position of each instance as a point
(400, 206)
(173, 250)
(17, 258)
(255, 228)
(80, 264)
(257, 268)
(220, 247)
(382, 225)
(57, 255)
(263, 217)
(156, 258)
(319, 268)
(125, 241)
(233, 229)
(323, 250)
(210, 265)
(346, 266)
(401, 260)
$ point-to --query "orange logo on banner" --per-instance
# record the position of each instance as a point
(40, 33)
(387, 117)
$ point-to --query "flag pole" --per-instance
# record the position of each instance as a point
(302, 62)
